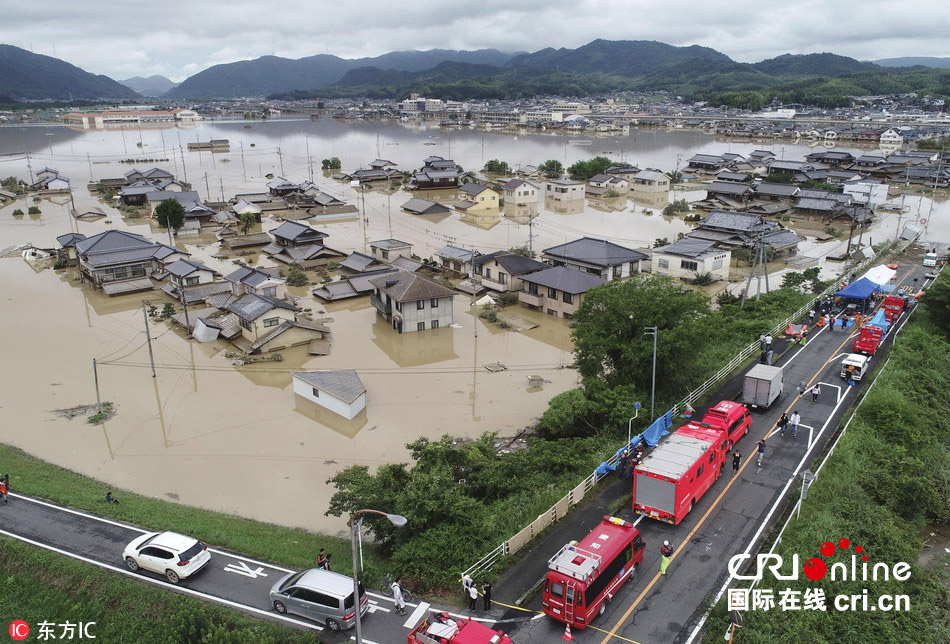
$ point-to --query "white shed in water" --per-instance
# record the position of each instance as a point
(339, 390)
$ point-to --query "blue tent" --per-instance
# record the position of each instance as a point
(859, 290)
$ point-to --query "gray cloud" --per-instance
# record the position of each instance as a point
(178, 40)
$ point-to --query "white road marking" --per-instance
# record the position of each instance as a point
(417, 614)
(158, 582)
(242, 568)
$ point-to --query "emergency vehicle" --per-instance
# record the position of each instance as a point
(672, 479)
(872, 334)
(442, 628)
(732, 417)
(583, 577)
(893, 307)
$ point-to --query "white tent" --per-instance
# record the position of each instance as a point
(485, 301)
(881, 275)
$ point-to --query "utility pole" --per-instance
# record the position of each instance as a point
(207, 187)
(89, 159)
(222, 189)
(95, 375)
(30, 168)
(184, 304)
(184, 168)
(148, 338)
(243, 167)
(531, 234)
(309, 160)
(652, 330)
(281, 157)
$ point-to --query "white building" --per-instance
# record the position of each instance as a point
(688, 258)
(564, 190)
(892, 136)
(339, 390)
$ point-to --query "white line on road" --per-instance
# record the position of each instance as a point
(157, 582)
(417, 614)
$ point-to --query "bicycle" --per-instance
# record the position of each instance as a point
(387, 589)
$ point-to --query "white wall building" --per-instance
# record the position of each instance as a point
(339, 390)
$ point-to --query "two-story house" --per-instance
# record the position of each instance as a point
(600, 257)
(601, 184)
(247, 279)
(268, 324)
(564, 190)
(298, 243)
(477, 197)
(502, 270)
(650, 181)
(520, 192)
(388, 250)
(557, 291)
(455, 259)
(411, 303)
(120, 262)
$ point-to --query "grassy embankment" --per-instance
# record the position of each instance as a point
(888, 480)
(37, 585)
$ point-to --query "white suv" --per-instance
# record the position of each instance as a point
(167, 553)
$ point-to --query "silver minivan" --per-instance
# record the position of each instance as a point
(321, 595)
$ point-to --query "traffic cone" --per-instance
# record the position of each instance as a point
(567, 637)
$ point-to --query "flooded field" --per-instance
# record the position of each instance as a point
(237, 439)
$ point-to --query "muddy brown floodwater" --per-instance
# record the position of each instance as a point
(209, 434)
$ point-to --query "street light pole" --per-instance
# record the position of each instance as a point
(398, 521)
(652, 330)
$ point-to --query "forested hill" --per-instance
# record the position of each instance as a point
(25, 75)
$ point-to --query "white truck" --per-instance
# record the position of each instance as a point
(855, 365)
(930, 259)
(762, 385)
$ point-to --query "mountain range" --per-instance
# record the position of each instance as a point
(270, 74)
(155, 85)
(25, 75)
(600, 66)
(912, 61)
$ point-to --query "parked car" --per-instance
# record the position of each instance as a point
(167, 553)
(321, 595)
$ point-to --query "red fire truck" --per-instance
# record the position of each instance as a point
(583, 577)
(893, 307)
(731, 417)
(669, 482)
(442, 628)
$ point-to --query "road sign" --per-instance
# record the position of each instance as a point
(242, 568)
(923, 220)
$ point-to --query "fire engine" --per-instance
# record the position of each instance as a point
(672, 479)
(893, 307)
(872, 334)
(442, 628)
(583, 577)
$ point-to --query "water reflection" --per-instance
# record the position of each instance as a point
(414, 349)
(568, 207)
(326, 418)
(520, 214)
(486, 220)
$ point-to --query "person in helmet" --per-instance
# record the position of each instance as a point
(666, 550)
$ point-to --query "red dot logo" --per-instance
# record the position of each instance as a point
(827, 549)
(815, 569)
(19, 630)
(843, 543)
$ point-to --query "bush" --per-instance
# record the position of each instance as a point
(506, 299)
(167, 311)
(18, 213)
(33, 210)
(676, 207)
(489, 314)
(296, 276)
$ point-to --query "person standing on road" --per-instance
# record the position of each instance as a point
(768, 342)
(811, 316)
(399, 600)
(802, 387)
(815, 392)
(486, 596)
(793, 421)
(782, 424)
(472, 597)
(762, 341)
(830, 322)
(622, 464)
(736, 461)
(761, 451)
(466, 584)
(804, 339)
(666, 551)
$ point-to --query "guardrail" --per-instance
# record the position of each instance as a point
(563, 506)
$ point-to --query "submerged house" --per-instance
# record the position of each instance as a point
(298, 243)
(689, 258)
(411, 303)
(339, 390)
(557, 291)
(502, 270)
(120, 262)
(599, 257)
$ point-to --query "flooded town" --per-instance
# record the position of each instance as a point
(400, 324)
(246, 421)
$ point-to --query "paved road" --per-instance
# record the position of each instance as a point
(736, 511)
(230, 579)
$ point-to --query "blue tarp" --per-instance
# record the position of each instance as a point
(859, 290)
(658, 429)
(880, 320)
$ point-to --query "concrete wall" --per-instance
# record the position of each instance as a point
(412, 316)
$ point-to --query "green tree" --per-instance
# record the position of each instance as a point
(676, 207)
(610, 348)
(552, 169)
(497, 167)
(170, 214)
(584, 170)
(332, 163)
(937, 305)
(247, 220)
(296, 276)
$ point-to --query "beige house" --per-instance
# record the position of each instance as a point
(564, 190)
(557, 291)
(268, 324)
(478, 197)
(253, 280)
(412, 303)
(688, 258)
(601, 184)
(650, 181)
(520, 192)
(502, 271)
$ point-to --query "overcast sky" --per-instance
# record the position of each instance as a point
(179, 39)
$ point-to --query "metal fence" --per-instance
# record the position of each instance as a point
(563, 506)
